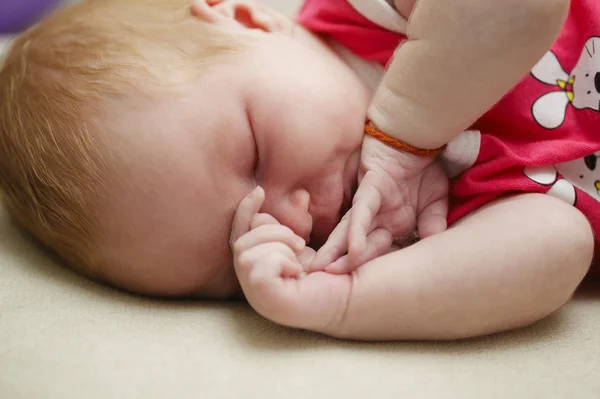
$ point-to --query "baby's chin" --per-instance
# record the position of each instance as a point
(319, 235)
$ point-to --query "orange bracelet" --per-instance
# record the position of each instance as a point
(372, 131)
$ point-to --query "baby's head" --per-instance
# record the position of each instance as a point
(130, 131)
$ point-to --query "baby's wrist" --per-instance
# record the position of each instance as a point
(372, 130)
(402, 116)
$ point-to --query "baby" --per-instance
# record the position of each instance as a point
(149, 147)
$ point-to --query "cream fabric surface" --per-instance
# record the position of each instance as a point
(63, 337)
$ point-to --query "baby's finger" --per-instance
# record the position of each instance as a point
(254, 255)
(433, 219)
(275, 265)
(335, 246)
(245, 212)
(269, 233)
(367, 203)
(379, 243)
(340, 266)
(198, 7)
(262, 219)
(306, 256)
(433, 202)
(259, 257)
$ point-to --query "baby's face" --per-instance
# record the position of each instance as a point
(286, 115)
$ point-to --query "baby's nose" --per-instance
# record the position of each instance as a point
(300, 199)
(298, 218)
(290, 209)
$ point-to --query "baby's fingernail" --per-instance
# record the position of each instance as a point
(256, 192)
(302, 275)
(299, 243)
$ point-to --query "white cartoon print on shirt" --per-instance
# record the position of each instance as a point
(583, 173)
(580, 88)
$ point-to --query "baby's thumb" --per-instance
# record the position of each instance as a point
(433, 219)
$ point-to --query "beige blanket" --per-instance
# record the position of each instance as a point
(63, 337)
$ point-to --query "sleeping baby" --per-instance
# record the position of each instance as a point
(219, 149)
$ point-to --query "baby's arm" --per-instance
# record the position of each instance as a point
(460, 58)
(506, 266)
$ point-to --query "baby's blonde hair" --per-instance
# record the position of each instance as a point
(56, 87)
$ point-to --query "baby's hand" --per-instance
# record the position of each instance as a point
(397, 193)
(270, 260)
(264, 251)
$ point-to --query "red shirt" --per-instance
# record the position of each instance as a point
(542, 137)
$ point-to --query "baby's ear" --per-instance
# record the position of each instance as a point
(239, 13)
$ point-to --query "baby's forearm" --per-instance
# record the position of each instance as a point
(506, 266)
(460, 58)
(476, 278)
